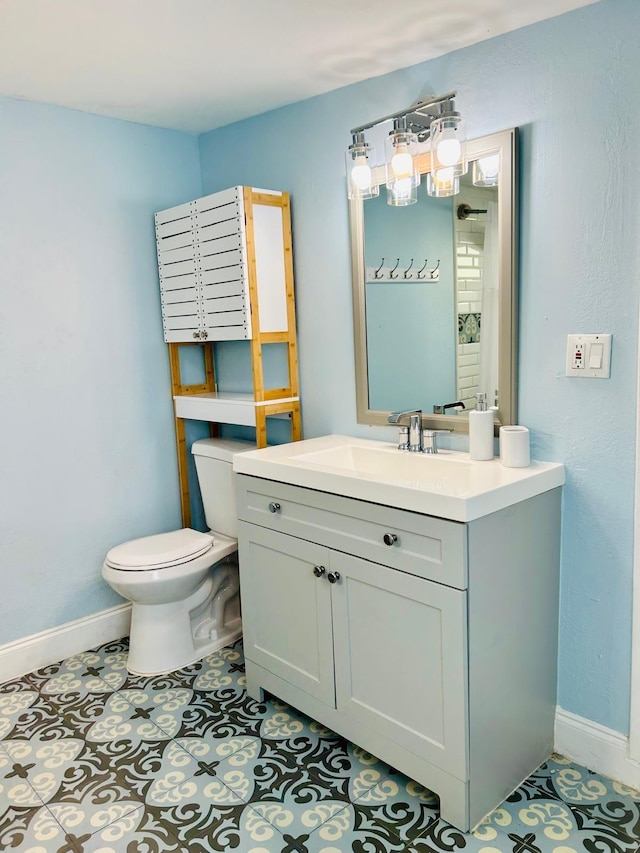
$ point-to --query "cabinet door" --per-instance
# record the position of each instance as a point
(400, 659)
(286, 609)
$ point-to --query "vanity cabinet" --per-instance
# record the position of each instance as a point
(429, 642)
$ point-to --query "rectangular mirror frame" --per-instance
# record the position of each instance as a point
(506, 142)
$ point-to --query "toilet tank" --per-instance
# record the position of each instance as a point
(214, 466)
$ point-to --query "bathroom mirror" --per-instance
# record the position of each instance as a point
(434, 294)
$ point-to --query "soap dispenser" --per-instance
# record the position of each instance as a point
(481, 431)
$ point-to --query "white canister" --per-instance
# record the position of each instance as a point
(514, 446)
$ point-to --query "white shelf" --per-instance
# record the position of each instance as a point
(225, 407)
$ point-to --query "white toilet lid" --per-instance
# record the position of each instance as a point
(160, 551)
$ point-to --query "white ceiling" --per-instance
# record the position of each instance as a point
(194, 65)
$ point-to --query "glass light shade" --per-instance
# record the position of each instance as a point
(485, 172)
(402, 193)
(443, 183)
(361, 181)
(448, 137)
(401, 165)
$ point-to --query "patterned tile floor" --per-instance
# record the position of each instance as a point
(94, 760)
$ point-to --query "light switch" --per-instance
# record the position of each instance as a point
(595, 356)
(589, 356)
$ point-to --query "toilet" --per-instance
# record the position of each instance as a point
(183, 586)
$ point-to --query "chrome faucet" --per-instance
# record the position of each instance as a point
(414, 438)
(430, 439)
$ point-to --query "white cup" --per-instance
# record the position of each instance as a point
(514, 446)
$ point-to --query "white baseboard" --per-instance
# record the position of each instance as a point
(600, 749)
(50, 646)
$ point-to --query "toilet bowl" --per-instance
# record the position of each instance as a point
(183, 586)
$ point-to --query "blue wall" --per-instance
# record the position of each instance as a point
(88, 452)
(572, 84)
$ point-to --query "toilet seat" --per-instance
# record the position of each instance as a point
(160, 551)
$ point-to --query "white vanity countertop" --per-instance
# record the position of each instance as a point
(447, 484)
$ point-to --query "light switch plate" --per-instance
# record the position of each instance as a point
(589, 356)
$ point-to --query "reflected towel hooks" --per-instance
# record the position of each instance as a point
(382, 273)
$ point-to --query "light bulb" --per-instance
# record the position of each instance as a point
(361, 174)
(486, 171)
(445, 176)
(402, 163)
(449, 151)
(490, 166)
(402, 187)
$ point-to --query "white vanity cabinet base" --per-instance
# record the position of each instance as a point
(453, 792)
(476, 656)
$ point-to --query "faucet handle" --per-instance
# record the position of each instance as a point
(403, 438)
(430, 439)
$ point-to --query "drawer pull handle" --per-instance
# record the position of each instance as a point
(319, 571)
(274, 507)
(333, 577)
(389, 538)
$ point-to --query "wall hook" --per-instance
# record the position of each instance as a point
(421, 273)
(391, 272)
(377, 273)
(435, 269)
(406, 272)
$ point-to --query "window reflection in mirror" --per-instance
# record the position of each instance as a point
(434, 295)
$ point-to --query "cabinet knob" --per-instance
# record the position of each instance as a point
(333, 577)
(196, 334)
(274, 507)
(319, 571)
(204, 334)
(389, 538)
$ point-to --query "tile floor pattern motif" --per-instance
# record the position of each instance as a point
(94, 760)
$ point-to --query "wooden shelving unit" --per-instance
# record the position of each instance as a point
(226, 273)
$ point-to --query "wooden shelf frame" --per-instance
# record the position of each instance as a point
(268, 401)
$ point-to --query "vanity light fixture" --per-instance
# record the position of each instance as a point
(485, 171)
(448, 136)
(427, 119)
(443, 183)
(360, 168)
(401, 166)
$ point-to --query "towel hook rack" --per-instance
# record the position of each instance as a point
(435, 269)
(405, 273)
(377, 273)
(421, 272)
(391, 272)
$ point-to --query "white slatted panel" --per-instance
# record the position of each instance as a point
(180, 282)
(187, 294)
(214, 245)
(222, 275)
(222, 260)
(202, 268)
(217, 291)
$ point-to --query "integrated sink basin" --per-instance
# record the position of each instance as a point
(447, 484)
(381, 461)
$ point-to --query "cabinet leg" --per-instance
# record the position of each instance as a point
(253, 686)
(454, 808)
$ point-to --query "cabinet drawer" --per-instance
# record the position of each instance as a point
(431, 548)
